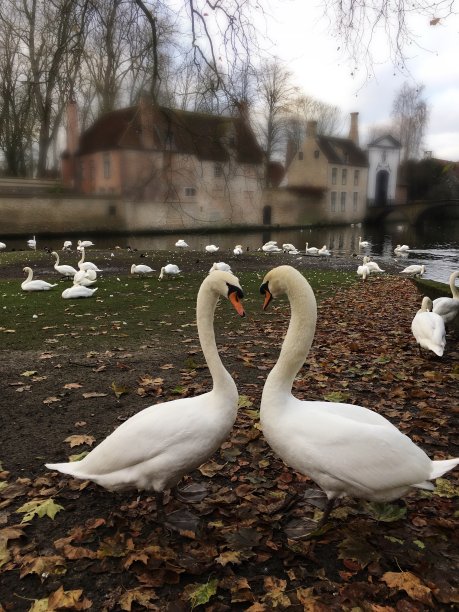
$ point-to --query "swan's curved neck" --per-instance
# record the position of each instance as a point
(452, 284)
(29, 276)
(57, 259)
(298, 339)
(82, 257)
(205, 312)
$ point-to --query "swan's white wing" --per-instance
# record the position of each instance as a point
(348, 455)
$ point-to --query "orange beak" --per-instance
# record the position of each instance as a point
(268, 298)
(238, 307)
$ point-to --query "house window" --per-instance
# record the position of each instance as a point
(190, 191)
(355, 200)
(356, 177)
(333, 201)
(343, 201)
(334, 175)
(300, 155)
(316, 154)
(107, 165)
(218, 170)
(344, 176)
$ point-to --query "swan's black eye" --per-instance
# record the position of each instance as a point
(237, 290)
(264, 288)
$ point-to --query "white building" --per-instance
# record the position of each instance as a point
(384, 160)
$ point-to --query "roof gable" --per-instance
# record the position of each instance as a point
(385, 142)
(342, 151)
(209, 137)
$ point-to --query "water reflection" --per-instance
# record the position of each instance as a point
(434, 244)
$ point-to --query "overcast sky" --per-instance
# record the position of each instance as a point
(300, 36)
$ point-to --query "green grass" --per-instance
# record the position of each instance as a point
(125, 311)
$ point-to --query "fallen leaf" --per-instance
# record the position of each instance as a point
(409, 583)
(78, 440)
(118, 390)
(199, 594)
(90, 394)
(40, 508)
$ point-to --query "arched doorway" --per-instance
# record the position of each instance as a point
(267, 215)
(382, 185)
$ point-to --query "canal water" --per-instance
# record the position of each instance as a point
(435, 244)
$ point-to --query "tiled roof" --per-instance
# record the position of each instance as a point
(342, 151)
(209, 137)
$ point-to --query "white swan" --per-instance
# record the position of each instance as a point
(271, 247)
(34, 285)
(32, 244)
(78, 291)
(311, 250)
(363, 271)
(346, 449)
(401, 248)
(85, 278)
(170, 269)
(2, 246)
(288, 246)
(363, 244)
(141, 269)
(446, 307)
(86, 265)
(67, 245)
(84, 244)
(371, 265)
(154, 448)
(220, 265)
(211, 248)
(324, 251)
(181, 244)
(67, 271)
(429, 328)
(238, 249)
(414, 270)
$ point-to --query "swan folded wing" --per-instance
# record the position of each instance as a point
(364, 458)
(176, 431)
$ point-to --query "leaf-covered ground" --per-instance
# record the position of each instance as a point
(236, 537)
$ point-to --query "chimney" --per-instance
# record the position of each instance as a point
(311, 129)
(146, 121)
(354, 129)
(72, 126)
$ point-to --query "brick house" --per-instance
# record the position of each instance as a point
(188, 165)
(336, 168)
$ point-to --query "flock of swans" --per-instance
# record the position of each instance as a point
(348, 450)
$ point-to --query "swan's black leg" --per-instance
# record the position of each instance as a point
(327, 510)
(160, 514)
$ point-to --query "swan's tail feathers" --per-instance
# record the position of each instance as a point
(65, 468)
(426, 485)
(441, 467)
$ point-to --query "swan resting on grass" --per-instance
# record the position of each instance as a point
(220, 265)
(429, 328)
(85, 278)
(153, 449)
(78, 291)
(347, 450)
(35, 285)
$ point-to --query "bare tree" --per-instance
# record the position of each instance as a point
(306, 108)
(357, 24)
(410, 115)
(276, 94)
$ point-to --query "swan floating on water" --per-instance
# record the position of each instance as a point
(153, 449)
(401, 248)
(446, 307)
(429, 328)
(348, 450)
(363, 244)
(34, 285)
